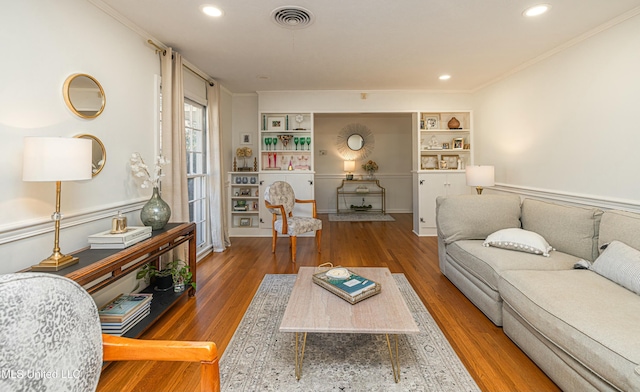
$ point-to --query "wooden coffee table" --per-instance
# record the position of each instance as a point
(314, 309)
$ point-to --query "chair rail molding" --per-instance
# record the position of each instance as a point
(26, 229)
(578, 199)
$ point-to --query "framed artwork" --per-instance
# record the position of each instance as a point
(458, 143)
(432, 122)
(275, 123)
(429, 162)
(245, 192)
(446, 146)
(245, 138)
(245, 221)
(451, 160)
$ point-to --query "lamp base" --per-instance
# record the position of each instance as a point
(479, 190)
(55, 262)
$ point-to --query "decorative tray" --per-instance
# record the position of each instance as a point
(346, 284)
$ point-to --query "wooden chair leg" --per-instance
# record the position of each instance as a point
(274, 237)
(318, 239)
(294, 240)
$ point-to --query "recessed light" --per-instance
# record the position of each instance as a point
(444, 77)
(536, 10)
(211, 10)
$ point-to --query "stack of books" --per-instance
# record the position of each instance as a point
(108, 240)
(346, 284)
(123, 312)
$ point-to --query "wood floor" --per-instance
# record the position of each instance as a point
(227, 282)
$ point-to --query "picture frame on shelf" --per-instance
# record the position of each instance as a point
(429, 162)
(245, 222)
(245, 138)
(275, 123)
(446, 146)
(432, 122)
(458, 143)
(245, 191)
(451, 160)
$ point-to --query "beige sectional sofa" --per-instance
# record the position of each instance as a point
(580, 327)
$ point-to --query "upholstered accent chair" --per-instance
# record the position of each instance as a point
(280, 200)
(51, 340)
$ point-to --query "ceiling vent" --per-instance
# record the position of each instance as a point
(292, 17)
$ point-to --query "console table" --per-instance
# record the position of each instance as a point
(353, 191)
(98, 268)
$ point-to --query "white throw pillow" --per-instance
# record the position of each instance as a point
(620, 263)
(520, 240)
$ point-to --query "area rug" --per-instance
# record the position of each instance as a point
(259, 358)
(364, 217)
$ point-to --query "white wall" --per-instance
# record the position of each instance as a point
(568, 124)
(43, 43)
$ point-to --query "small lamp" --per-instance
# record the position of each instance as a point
(480, 176)
(349, 166)
(56, 159)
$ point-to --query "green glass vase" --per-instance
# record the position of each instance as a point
(155, 212)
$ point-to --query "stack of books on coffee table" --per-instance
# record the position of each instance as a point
(123, 312)
(109, 240)
(346, 284)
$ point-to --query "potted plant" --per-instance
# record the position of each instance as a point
(176, 274)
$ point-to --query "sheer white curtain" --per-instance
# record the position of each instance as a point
(173, 142)
(219, 232)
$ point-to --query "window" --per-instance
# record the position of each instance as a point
(197, 172)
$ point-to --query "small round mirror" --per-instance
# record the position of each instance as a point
(355, 142)
(84, 95)
(98, 153)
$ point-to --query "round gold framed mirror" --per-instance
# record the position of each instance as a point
(355, 141)
(84, 95)
(98, 153)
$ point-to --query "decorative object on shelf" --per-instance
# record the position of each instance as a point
(238, 180)
(480, 176)
(362, 189)
(56, 159)
(458, 143)
(453, 123)
(443, 164)
(235, 164)
(467, 146)
(176, 274)
(275, 123)
(245, 222)
(285, 139)
(349, 167)
(356, 135)
(361, 207)
(245, 180)
(434, 144)
(244, 153)
(431, 121)
(451, 161)
(371, 168)
(141, 170)
(429, 162)
(155, 212)
(299, 120)
(253, 180)
(255, 164)
(119, 224)
(446, 146)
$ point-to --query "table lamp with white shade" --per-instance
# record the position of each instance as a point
(56, 159)
(349, 167)
(480, 176)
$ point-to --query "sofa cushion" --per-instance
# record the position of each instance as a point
(474, 217)
(568, 229)
(620, 225)
(620, 263)
(589, 317)
(519, 240)
(487, 263)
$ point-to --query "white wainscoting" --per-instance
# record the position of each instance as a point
(568, 198)
(398, 188)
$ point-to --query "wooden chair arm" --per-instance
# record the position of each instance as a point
(116, 348)
(283, 213)
(314, 211)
